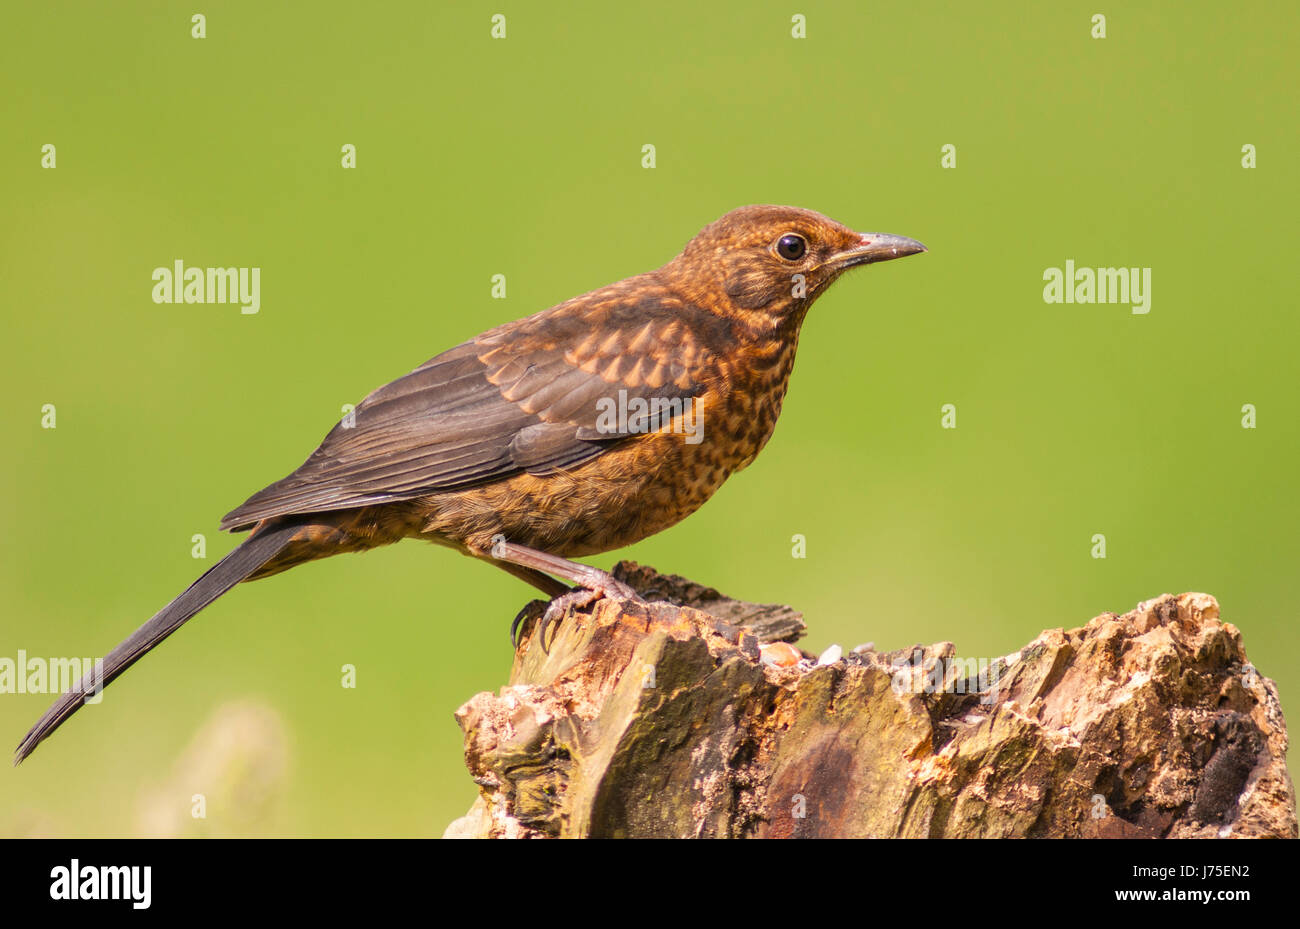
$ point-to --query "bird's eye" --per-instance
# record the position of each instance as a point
(791, 247)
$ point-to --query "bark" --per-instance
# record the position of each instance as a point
(692, 715)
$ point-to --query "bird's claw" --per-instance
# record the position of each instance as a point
(608, 587)
(532, 609)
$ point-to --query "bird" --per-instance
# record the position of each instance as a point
(583, 428)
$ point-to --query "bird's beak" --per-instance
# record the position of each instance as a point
(876, 246)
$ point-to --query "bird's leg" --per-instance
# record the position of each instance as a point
(592, 583)
(601, 582)
(543, 582)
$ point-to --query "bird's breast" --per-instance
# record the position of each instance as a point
(642, 485)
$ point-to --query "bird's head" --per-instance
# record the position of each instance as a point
(767, 264)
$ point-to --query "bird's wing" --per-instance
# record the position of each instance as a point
(534, 395)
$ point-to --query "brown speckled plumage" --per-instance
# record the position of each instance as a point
(506, 436)
(719, 323)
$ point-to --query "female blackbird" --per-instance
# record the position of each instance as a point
(581, 429)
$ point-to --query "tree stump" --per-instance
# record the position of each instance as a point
(693, 715)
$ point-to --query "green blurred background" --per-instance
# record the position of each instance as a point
(522, 156)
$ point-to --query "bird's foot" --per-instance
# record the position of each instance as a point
(605, 585)
(534, 565)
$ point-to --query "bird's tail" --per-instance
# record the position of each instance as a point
(242, 561)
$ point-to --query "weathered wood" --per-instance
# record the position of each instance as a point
(668, 719)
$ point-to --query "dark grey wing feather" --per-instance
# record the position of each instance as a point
(485, 410)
